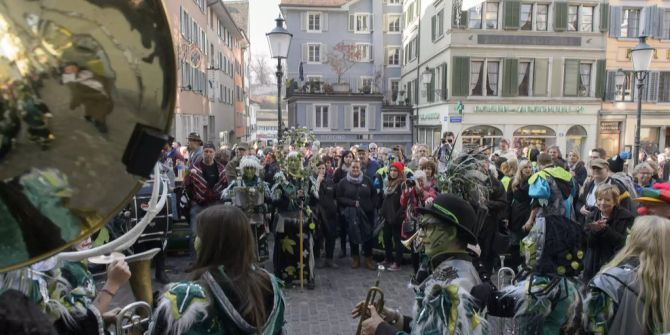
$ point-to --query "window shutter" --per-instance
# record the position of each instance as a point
(372, 25)
(372, 117)
(386, 23)
(305, 52)
(323, 53)
(510, 83)
(310, 120)
(570, 77)
(512, 14)
(600, 78)
(560, 16)
(433, 28)
(443, 92)
(324, 21)
(615, 21)
(303, 21)
(652, 84)
(455, 22)
(604, 16)
(541, 78)
(333, 110)
(460, 80)
(416, 91)
(348, 111)
(430, 90)
(352, 22)
(610, 89)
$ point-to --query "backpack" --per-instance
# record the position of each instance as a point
(624, 182)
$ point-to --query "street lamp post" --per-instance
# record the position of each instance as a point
(280, 41)
(641, 57)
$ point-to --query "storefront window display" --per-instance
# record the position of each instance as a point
(610, 136)
(478, 136)
(576, 139)
(538, 137)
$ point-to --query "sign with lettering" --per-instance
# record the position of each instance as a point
(528, 109)
(332, 137)
(456, 119)
(429, 116)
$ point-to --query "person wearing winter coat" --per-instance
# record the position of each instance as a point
(326, 215)
(518, 210)
(392, 213)
(607, 231)
(417, 193)
(577, 168)
(355, 198)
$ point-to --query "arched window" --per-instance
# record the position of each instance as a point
(538, 137)
(478, 136)
(576, 140)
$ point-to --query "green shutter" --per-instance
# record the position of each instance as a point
(512, 13)
(541, 78)
(510, 83)
(431, 87)
(600, 78)
(460, 78)
(560, 16)
(433, 29)
(571, 77)
(464, 17)
(604, 17)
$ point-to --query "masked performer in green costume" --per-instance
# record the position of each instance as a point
(443, 301)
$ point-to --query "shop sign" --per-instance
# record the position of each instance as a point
(528, 109)
(456, 119)
(429, 116)
(609, 127)
(332, 137)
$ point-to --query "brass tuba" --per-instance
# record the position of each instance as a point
(87, 94)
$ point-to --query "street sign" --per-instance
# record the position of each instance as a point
(455, 119)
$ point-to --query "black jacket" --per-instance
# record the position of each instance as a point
(348, 193)
(339, 174)
(391, 209)
(518, 207)
(327, 201)
(580, 173)
(603, 245)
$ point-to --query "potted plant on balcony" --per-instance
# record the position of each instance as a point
(342, 58)
(314, 86)
(366, 89)
(328, 88)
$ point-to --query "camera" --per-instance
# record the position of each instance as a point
(410, 183)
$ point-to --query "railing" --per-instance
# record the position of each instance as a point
(350, 85)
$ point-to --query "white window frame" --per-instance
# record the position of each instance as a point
(639, 20)
(439, 25)
(389, 19)
(567, 28)
(592, 79)
(390, 88)
(367, 47)
(317, 115)
(580, 18)
(485, 76)
(368, 21)
(320, 15)
(388, 55)
(394, 116)
(536, 7)
(353, 111)
(532, 15)
(309, 51)
(363, 79)
(484, 11)
(394, 2)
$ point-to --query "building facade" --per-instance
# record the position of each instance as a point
(529, 71)
(210, 50)
(346, 103)
(618, 118)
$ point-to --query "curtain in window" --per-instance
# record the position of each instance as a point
(584, 80)
(492, 79)
(476, 74)
(524, 78)
(527, 17)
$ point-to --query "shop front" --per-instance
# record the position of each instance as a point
(569, 126)
(429, 127)
(617, 131)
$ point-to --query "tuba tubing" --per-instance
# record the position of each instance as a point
(503, 273)
(129, 238)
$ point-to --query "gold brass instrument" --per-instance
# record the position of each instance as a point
(505, 275)
(408, 243)
(375, 298)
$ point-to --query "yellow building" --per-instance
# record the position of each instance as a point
(618, 116)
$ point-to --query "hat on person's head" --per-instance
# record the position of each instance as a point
(209, 145)
(454, 211)
(243, 146)
(362, 148)
(656, 194)
(398, 166)
(599, 163)
(194, 137)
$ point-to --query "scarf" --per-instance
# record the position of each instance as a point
(355, 180)
(392, 186)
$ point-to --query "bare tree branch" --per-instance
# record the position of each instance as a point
(261, 72)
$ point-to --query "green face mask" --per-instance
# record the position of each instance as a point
(294, 165)
(436, 236)
(249, 172)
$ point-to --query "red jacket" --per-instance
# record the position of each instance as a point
(410, 201)
(196, 185)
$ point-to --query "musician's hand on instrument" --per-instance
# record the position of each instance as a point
(110, 316)
(370, 325)
(356, 312)
(118, 274)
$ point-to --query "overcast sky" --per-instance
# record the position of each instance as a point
(261, 21)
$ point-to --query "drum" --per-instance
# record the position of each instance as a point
(156, 233)
(248, 197)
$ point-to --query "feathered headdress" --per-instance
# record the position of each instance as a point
(250, 161)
